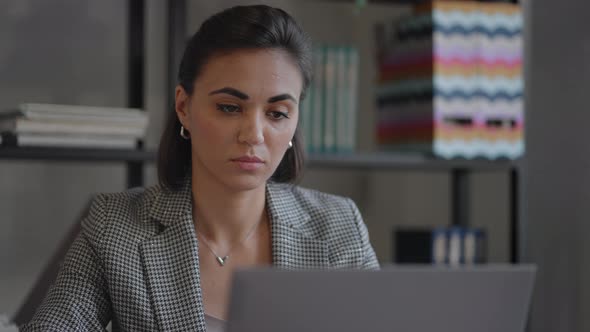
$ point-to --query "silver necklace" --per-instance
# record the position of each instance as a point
(222, 259)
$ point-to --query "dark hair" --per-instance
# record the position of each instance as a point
(241, 27)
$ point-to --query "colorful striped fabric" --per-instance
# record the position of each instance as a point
(455, 67)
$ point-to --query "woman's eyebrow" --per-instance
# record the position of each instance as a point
(239, 94)
(283, 96)
(230, 91)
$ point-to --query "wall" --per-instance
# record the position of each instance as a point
(557, 167)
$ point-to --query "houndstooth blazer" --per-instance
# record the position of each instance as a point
(136, 263)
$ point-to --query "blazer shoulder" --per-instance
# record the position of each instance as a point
(320, 202)
(329, 215)
(335, 220)
(114, 212)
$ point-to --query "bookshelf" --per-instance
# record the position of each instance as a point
(397, 161)
(134, 159)
(358, 161)
(81, 155)
(459, 170)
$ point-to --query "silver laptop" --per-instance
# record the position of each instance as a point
(404, 299)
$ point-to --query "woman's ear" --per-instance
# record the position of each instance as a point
(181, 103)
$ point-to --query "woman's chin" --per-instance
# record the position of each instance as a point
(245, 182)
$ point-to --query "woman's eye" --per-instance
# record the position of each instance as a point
(276, 115)
(227, 108)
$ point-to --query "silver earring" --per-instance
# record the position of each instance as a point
(290, 144)
(184, 134)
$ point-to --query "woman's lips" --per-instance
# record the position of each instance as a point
(252, 159)
(248, 163)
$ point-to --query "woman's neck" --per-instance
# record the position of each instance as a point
(223, 215)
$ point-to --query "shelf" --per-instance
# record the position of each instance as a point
(76, 154)
(390, 161)
(365, 161)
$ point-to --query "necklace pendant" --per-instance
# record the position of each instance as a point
(221, 261)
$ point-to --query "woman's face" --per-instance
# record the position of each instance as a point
(241, 116)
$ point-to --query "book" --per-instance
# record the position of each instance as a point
(318, 100)
(474, 246)
(452, 246)
(455, 253)
(306, 116)
(352, 106)
(123, 121)
(330, 93)
(98, 115)
(440, 246)
(69, 141)
(99, 111)
(342, 107)
(332, 109)
(22, 125)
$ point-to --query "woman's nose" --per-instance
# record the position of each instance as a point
(251, 129)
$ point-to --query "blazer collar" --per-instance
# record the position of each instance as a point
(171, 205)
(293, 244)
(171, 261)
(284, 208)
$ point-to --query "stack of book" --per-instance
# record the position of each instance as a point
(50, 125)
(329, 111)
(442, 245)
(450, 81)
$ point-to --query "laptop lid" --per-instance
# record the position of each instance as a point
(478, 298)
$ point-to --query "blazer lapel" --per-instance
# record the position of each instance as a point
(292, 247)
(171, 263)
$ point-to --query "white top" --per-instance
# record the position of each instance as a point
(214, 324)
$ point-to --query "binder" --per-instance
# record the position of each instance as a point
(318, 100)
(342, 107)
(474, 246)
(305, 117)
(439, 246)
(455, 254)
(330, 98)
(452, 246)
(352, 107)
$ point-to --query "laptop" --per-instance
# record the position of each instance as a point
(418, 298)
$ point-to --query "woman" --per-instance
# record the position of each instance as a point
(161, 258)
